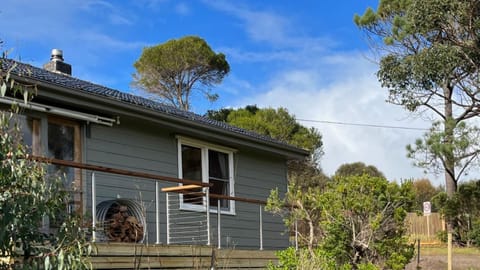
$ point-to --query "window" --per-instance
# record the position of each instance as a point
(63, 142)
(59, 139)
(208, 164)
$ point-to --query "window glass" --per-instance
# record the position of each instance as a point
(192, 170)
(30, 131)
(218, 176)
(61, 145)
(191, 163)
(26, 128)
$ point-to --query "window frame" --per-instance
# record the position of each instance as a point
(205, 147)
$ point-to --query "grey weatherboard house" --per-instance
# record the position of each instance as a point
(76, 120)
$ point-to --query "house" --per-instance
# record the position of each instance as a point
(86, 123)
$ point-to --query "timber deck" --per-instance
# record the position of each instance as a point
(140, 256)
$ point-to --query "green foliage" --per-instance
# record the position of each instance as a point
(290, 259)
(275, 123)
(27, 198)
(424, 192)
(280, 125)
(174, 69)
(358, 168)
(431, 152)
(429, 64)
(355, 222)
(463, 209)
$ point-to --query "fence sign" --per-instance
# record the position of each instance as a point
(427, 208)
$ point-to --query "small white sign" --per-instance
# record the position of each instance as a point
(427, 208)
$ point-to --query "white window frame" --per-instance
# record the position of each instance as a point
(205, 147)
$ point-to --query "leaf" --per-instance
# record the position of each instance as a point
(47, 263)
(3, 89)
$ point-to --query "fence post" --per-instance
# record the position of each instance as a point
(94, 209)
(157, 211)
(261, 228)
(418, 254)
(219, 225)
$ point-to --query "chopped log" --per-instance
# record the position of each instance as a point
(123, 227)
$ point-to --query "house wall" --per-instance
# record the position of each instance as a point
(152, 149)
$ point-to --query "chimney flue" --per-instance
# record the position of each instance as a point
(57, 65)
(57, 55)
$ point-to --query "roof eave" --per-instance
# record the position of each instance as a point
(286, 150)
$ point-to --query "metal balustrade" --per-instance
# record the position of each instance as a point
(184, 225)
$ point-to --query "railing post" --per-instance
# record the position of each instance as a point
(157, 211)
(219, 225)
(207, 194)
(94, 209)
(167, 203)
(261, 228)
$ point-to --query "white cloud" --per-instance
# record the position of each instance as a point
(343, 88)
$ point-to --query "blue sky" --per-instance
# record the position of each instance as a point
(306, 56)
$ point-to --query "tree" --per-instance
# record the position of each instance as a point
(173, 70)
(358, 168)
(464, 210)
(430, 65)
(355, 222)
(425, 192)
(27, 197)
(280, 125)
(275, 123)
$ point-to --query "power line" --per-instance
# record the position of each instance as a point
(361, 124)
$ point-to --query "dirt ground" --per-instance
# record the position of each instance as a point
(438, 262)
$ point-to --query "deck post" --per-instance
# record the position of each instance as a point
(168, 217)
(261, 228)
(219, 225)
(94, 209)
(157, 211)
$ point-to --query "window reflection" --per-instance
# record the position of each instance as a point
(61, 145)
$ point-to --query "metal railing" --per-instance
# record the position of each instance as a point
(174, 211)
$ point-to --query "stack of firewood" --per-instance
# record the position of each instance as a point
(123, 227)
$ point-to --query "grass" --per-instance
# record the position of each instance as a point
(443, 251)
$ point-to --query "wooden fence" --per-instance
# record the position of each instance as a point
(425, 228)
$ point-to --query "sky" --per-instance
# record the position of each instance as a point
(306, 56)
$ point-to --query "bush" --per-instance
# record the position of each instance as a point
(356, 222)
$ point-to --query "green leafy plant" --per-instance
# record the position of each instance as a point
(355, 222)
(28, 198)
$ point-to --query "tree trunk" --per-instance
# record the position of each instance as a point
(450, 179)
(449, 128)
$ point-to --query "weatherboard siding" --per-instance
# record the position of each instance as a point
(137, 147)
(151, 149)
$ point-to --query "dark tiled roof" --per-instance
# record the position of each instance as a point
(42, 75)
